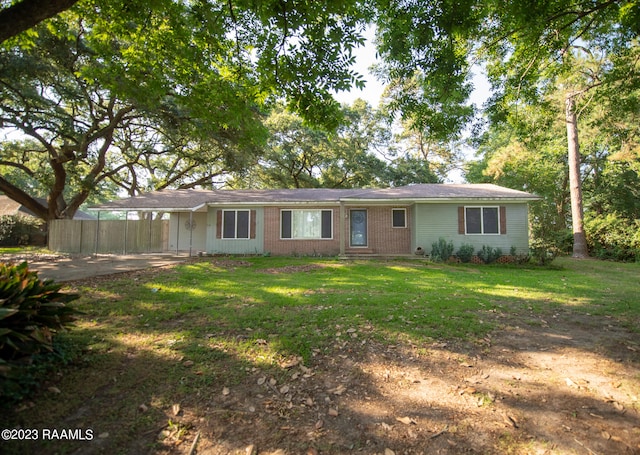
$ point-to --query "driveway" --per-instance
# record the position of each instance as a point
(78, 268)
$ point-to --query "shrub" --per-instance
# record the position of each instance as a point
(613, 237)
(489, 254)
(465, 252)
(20, 230)
(543, 252)
(31, 312)
(441, 250)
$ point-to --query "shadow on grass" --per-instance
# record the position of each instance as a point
(331, 358)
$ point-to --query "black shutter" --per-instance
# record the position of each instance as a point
(326, 224)
(285, 231)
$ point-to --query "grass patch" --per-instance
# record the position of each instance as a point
(180, 335)
(301, 305)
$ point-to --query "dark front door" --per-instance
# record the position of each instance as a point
(358, 227)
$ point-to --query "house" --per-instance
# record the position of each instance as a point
(391, 221)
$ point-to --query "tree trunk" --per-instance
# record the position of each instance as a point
(575, 185)
(26, 14)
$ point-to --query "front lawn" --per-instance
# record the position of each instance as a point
(164, 353)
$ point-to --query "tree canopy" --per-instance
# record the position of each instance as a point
(136, 95)
(161, 93)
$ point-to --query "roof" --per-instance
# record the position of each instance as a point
(193, 200)
(10, 207)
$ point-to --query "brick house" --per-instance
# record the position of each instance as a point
(331, 222)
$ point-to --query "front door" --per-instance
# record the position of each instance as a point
(358, 227)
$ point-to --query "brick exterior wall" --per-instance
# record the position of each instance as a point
(276, 246)
(383, 238)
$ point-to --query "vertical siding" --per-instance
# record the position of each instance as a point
(441, 220)
(181, 238)
(79, 236)
(216, 245)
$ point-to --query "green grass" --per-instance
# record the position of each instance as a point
(22, 249)
(180, 335)
(299, 305)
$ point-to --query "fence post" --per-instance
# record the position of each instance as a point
(126, 231)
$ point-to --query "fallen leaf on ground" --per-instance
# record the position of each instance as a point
(406, 420)
(509, 420)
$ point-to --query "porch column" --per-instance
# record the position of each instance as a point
(178, 235)
(126, 229)
(342, 228)
(190, 232)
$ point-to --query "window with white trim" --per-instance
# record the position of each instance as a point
(306, 224)
(399, 218)
(235, 224)
(482, 220)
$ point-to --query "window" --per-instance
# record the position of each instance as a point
(399, 217)
(235, 224)
(482, 220)
(306, 224)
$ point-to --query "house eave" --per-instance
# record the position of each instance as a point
(147, 209)
(439, 200)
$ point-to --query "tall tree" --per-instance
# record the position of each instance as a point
(107, 88)
(299, 155)
(524, 44)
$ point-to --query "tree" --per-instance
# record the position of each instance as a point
(525, 149)
(524, 45)
(299, 155)
(107, 89)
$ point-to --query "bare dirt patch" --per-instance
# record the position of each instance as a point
(567, 388)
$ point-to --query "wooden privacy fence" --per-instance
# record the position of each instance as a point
(108, 236)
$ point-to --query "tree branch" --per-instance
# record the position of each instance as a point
(27, 14)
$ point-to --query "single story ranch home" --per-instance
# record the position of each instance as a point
(346, 222)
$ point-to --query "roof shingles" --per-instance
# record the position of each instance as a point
(189, 199)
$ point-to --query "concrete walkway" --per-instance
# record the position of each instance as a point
(78, 268)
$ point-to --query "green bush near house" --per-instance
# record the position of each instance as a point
(489, 254)
(613, 237)
(465, 252)
(21, 230)
(441, 250)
